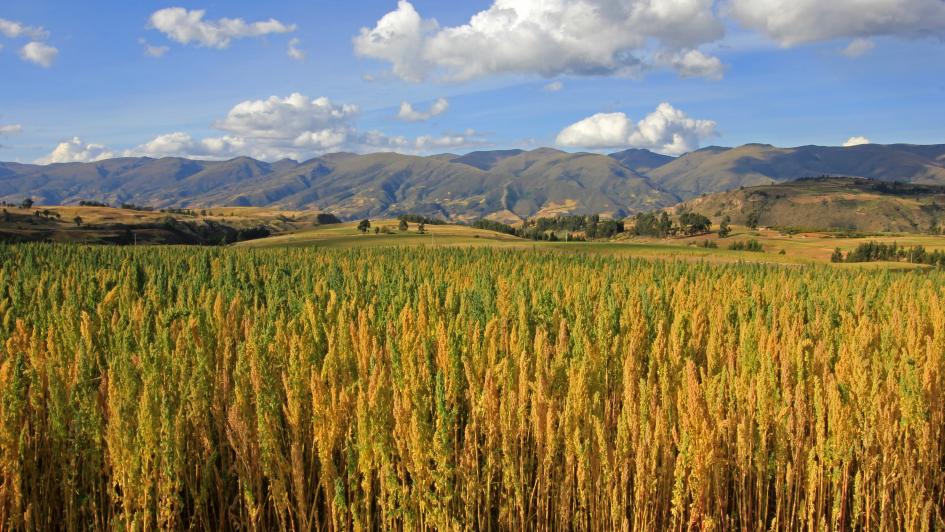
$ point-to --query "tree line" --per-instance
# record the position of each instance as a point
(876, 251)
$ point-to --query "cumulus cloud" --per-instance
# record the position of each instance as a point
(603, 130)
(40, 53)
(294, 127)
(693, 64)
(76, 151)
(856, 141)
(803, 21)
(398, 38)
(294, 51)
(11, 129)
(554, 86)
(183, 145)
(285, 118)
(34, 51)
(275, 128)
(408, 114)
(545, 37)
(14, 30)
(188, 26)
(666, 130)
(857, 47)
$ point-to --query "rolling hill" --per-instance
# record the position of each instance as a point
(506, 185)
(110, 225)
(834, 203)
(717, 169)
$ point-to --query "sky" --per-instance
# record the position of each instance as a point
(84, 81)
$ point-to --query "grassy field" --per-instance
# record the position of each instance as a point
(803, 248)
(451, 388)
(346, 235)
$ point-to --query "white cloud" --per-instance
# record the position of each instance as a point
(153, 51)
(76, 151)
(373, 140)
(181, 144)
(603, 130)
(185, 27)
(666, 130)
(693, 64)
(427, 143)
(399, 38)
(294, 51)
(545, 37)
(408, 114)
(554, 86)
(792, 22)
(40, 53)
(178, 145)
(286, 118)
(856, 141)
(857, 47)
(322, 140)
(275, 128)
(294, 127)
(11, 129)
(14, 30)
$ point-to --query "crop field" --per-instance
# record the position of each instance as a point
(798, 249)
(464, 388)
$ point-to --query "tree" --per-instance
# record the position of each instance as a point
(421, 227)
(693, 223)
(753, 219)
(78, 221)
(591, 226)
(724, 227)
(837, 256)
(364, 225)
(665, 225)
(27, 203)
(403, 226)
(377, 230)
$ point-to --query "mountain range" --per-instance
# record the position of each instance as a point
(506, 185)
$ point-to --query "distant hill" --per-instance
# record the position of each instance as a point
(641, 161)
(716, 169)
(505, 185)
(832, 203)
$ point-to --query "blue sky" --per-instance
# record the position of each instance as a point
(754, 78)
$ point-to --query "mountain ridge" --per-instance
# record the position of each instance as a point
(501, 184)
